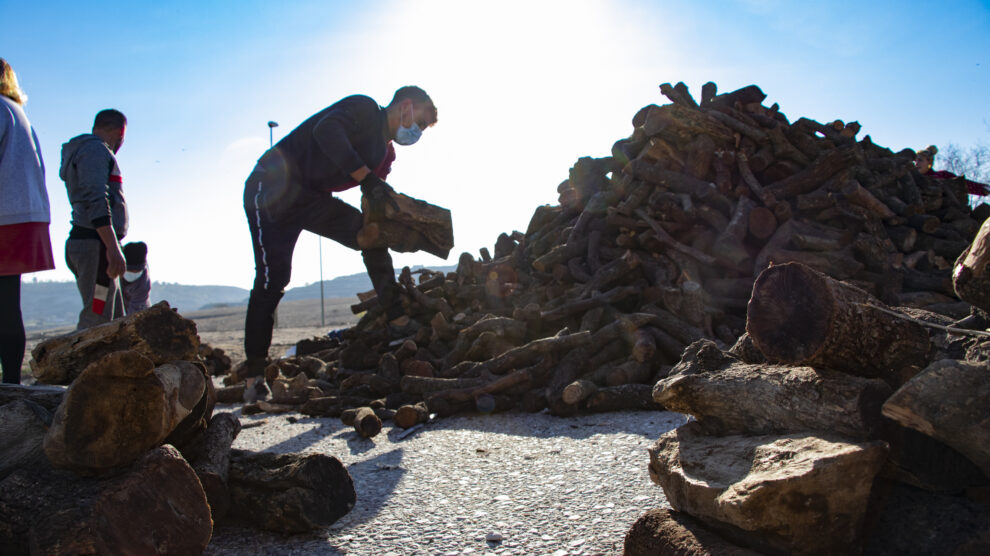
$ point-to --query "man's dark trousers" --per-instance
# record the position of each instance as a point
(277, 213)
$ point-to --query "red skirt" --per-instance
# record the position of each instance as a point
(25, 248)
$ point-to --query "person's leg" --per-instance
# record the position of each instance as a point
(273, 244)
(334, 219)
(82, 256)
(11, 329)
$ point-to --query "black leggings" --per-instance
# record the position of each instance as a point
(11, 329)
(276, 216)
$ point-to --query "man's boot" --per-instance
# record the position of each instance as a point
(255, 387)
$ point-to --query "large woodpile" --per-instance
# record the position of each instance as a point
(649, 250)
(130, 459)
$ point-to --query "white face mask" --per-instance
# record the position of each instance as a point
(408, 135)
(132, 276)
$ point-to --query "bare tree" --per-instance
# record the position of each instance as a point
(972, 162)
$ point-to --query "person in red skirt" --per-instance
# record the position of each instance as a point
(25, 245)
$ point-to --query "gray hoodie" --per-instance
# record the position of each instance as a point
(94, 184)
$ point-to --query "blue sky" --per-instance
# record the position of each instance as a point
(523, 88)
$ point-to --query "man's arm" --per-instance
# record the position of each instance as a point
(93, 168)
(115, 257)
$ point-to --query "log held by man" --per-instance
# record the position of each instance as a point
(410, 225)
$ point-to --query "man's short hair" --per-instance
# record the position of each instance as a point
(415, 94)
(110, 119)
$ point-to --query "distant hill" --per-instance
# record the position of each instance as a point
(55, 304)
(343, 286)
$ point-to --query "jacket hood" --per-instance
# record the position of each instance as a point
(70, 149)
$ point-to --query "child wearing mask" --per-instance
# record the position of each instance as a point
(135, 284)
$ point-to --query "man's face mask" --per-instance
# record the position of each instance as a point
(408, 135)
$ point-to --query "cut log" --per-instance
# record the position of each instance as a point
(120, 407)
(813, 176)
(23, 424)
(411, 415)
(158, 333)
(667, 532)
(679, 125)
(364, 420)
(423, 385)
(414, 226)
(729, 246)
(762, 222)
(793, 494)
(799, 316)
(210, 458)
(624, 397)
(156, 506)
(970, 276)
(48, 397)
(289, 493)
(949, 401)
(728, 396)
(578, 390)
(905, 520)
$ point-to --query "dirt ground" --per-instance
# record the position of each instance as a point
(223, 327)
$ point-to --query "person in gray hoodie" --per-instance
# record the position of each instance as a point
(99, 217)
(25, 245)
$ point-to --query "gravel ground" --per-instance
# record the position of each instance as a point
(511, 483)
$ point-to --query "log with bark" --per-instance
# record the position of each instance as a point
(728, 396)
(408, 225)
(154, 506)
(364, 420)
(949, 401)
(158, 333)
(118, 408)
(800, 316)
(210, 459)
(288, 493)
(970, 276)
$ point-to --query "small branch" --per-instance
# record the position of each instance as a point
(949, 329)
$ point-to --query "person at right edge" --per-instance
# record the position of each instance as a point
(345, 145)
(99, 217)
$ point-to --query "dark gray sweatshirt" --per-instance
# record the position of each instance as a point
(94, 184)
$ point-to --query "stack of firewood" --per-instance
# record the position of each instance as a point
(649, 250)
(129, 458)
(835, 425)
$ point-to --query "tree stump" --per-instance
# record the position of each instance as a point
(799, 316)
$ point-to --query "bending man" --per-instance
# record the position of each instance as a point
(291, 189)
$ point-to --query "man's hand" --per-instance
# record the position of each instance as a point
(116, 265)
(378, 195)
